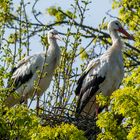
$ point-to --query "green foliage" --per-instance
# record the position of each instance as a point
(122, 120)
(59, 15)
(54, 11)
(83, 54)
(4, 11)
(129, 13)
(128, 9)
(61, 132)
(17, 122)
(18, 31)
(102, 100)
(22, 123)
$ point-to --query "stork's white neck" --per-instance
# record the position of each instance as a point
(116, 40)
(51, 40)
(114, 35)
(53, 49)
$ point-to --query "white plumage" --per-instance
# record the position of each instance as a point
(103, 74)
(26, 73)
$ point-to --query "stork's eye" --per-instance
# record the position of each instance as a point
(117, 24)
(54, 33)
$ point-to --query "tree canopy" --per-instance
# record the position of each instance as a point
(20, 26)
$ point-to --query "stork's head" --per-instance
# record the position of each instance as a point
(116, 25)
(53, 34)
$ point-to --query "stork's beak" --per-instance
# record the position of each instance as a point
(126, 33)
(58, 37)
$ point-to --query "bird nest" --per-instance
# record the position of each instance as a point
(86, 124)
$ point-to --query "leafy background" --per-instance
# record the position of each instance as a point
(56, 116)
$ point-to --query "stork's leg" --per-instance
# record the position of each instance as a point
(37, 105)
(26, 102)
(106, 108)
(100, 109)
(96, 109)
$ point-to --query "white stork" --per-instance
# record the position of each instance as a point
(103, 74)
(25, 73)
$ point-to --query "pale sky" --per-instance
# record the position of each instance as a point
(98, 9)
(97, 12)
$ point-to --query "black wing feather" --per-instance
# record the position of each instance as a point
(82, 77)
(89, 91)
(22, 79)
(79, 83)
(17, 82)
